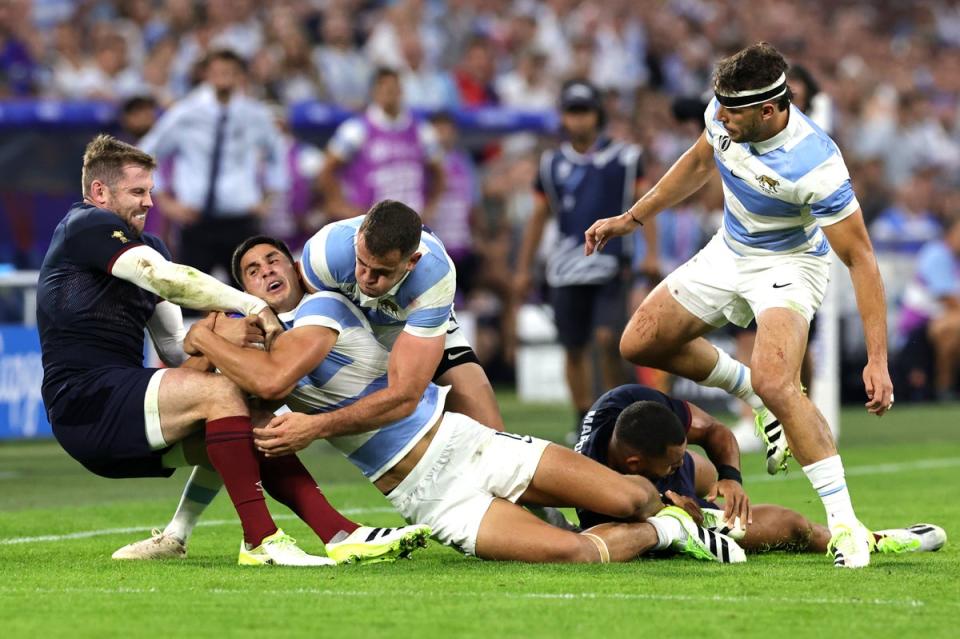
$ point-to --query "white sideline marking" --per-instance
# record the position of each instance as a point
(872, 469)
(132, 529)
(548, 596)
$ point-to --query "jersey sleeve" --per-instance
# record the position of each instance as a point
(708, 115)
(348, 139)
(829, 192)
(328, 257)
(99, 239)
(431, 313)
(331, 311)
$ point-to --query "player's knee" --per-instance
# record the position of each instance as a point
(222, 392)
(632, 503)
(772, 386)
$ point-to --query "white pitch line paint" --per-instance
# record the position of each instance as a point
(545, 596)
(872, 469)
(132, 529)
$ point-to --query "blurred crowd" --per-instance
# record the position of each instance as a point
(882, 77)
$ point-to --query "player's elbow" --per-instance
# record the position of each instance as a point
(273, 389)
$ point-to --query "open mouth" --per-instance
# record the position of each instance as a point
(274, 286)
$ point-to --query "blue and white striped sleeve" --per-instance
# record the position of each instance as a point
(431, 288)
(331, 310)
(828, 191)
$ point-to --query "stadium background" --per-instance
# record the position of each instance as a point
(889, 75)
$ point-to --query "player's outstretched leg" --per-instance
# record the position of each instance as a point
(916, 538)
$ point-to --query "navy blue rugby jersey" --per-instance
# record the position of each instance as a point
(88, 318)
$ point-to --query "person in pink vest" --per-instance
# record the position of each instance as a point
(384, 153)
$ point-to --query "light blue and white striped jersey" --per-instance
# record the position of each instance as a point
(419, 304)
(779, 192)
(356, 367)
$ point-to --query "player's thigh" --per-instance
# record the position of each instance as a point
(566, 478)
(778, 349)
(509, 533)
(471, 394)
(661, 324)
(187, 398)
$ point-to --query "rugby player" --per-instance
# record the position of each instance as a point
(787, 200)
(636, 430)
(400, 275)
(457, 475)
(102, 283)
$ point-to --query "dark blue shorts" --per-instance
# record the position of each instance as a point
(98, 419)
(579, 310)
(683, 482)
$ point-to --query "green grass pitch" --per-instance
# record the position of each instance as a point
(59, 524)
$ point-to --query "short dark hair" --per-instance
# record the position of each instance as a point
(137, 102)
(391, 226)
(752, 68)
(227, 55)
(649, 427)
(248, 244)
(105, 157)
(383, 72)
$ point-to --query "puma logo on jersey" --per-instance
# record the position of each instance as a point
(118, 235)
(768, 184)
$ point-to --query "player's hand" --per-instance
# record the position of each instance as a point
(689, 505)
(876, 381)
(205, 324)
(735, 501)
(245, 332)
(285, 434)
(271, 326)
(602, 231)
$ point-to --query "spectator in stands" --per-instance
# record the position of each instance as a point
(929, 324)
(343, 67)
(384, 153)
(221, 143)
(138, 114)
(19, 50)
(475, 74)
(528, 86)
(907, 224)
(424, 87)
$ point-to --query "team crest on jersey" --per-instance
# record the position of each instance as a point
(723, 142)
(118, 235)
(768, 184)
(390, 307)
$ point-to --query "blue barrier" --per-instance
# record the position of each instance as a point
(305, 116)
(21, 372)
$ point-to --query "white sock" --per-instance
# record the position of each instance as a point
(668, 530)
(828, 480)
(733, 377)
(201, 488)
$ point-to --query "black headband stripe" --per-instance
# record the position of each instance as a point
(747, 100)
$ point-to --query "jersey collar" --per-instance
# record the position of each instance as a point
(601, 143)
(379, 117)
(771, 144)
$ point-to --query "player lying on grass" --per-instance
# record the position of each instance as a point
(637, 430)
(443, 469)
(102, 284)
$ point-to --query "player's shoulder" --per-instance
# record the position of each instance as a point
(626, 394)
(328, 304)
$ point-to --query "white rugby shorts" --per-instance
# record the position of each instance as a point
(465, 467)
(719, 286)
